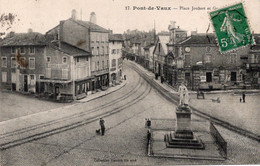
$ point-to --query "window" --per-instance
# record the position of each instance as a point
(107, 50)
(48, 59)
(4, 62)
(64, 60)
(233, 58)
(41, 76)
(208, 58)
(77, 59)
(103, 50)
(107, 63)
(22, 50)
(113, 62)
(113, 51)
(13, 62)
(98, 51)
(92, 50)
(86, 58)
(4, 76)
(32, 50)
(23, 63)
(187, 60)
(12, 50)
(31, 63)
(98, 65)
(103, 64)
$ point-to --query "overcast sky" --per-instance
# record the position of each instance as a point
(42, 15)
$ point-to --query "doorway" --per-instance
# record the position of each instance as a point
(208, 76)
(25, 83)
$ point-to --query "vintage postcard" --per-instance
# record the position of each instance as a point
(129, 82)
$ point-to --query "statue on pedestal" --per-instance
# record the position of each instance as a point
(184, 95)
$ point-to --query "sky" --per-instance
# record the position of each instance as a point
(42, 15)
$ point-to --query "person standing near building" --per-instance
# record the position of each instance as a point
(244, 97)
(102, 126)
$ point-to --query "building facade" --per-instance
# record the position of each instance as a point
(115, 57)
(22, 55)
(89, 37)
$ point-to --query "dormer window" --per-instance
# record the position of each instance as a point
(12, 50)
(22, 50)
(32, 50)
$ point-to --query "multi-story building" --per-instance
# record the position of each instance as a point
(197, 61)
(22, 56)
(160, 51)
(115, 57)
(148, 54)
(67, 71)
(89, 37)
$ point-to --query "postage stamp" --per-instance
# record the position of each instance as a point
(231, 27)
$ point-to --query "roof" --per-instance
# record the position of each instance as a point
(148, 46)
(93, 27)
(115, 37)
(71, 50)
(24, 39)
(199, 39)
(164, 39)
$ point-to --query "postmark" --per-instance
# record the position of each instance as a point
(231, 27)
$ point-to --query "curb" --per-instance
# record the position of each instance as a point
(102, 95)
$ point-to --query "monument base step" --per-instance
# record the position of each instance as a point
(172, 142)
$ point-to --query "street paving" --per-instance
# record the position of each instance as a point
(124, 142)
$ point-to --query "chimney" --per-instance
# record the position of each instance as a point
(30, 30)
(74, 14)
(11, 34)
(93, 18)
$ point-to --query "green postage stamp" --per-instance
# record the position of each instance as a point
(231, 27)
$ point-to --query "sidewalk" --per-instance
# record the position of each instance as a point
(102, 93)
(230, 109)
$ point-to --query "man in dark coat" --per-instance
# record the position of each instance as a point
(102, 126)
(244, 97)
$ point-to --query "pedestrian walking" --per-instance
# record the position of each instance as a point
(240, 99)
(244, 97)
(102, 126)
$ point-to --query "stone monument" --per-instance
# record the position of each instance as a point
(183, 136)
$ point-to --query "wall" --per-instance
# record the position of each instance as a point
(56, 65)
(75, 34)
(99, 39)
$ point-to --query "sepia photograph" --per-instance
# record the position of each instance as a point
(129, 82)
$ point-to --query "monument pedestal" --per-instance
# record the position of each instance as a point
(183, 137)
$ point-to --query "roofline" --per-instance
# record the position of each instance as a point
(91, 30)
(52, 28)
(74, 55)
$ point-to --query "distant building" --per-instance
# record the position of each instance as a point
(22, 57)
(115, 57)
(160, 51)
(148, 53)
